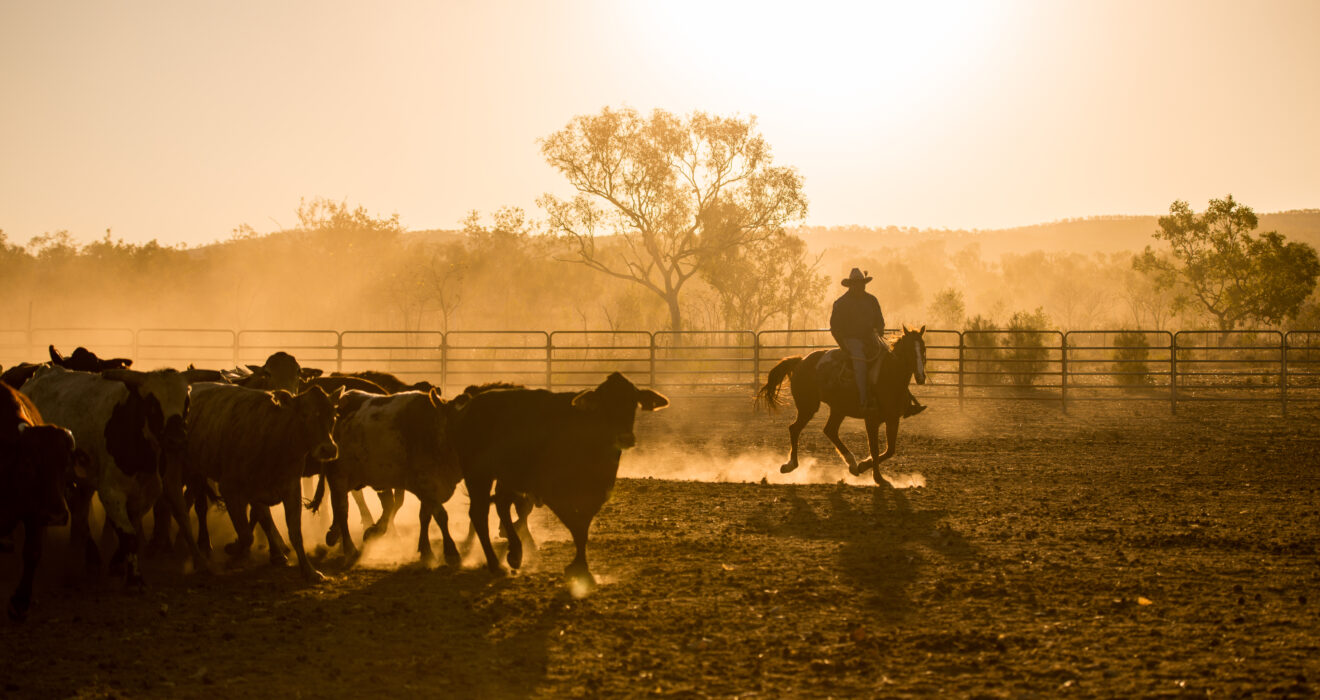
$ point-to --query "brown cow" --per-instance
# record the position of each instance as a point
(36, 462)
(560, 448)
(254, 445)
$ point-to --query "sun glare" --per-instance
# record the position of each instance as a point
(854, 55)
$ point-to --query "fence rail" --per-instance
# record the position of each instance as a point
(1074, 366)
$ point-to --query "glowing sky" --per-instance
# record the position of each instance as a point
(180, 121)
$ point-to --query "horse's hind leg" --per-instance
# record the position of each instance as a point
(832, 432)
(805, 412)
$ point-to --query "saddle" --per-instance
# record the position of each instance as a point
(836, 368)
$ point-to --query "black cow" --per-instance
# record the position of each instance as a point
(84, 360)
(36, 462)
(281, 371)
(560, 448)
(387, 381)
(254, 444)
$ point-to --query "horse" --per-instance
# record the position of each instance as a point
(826, 375)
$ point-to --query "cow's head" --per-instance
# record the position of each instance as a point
(614, 402)
(164, 394)
(46, 459)
(316, 416)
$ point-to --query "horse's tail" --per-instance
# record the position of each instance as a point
(768, 396)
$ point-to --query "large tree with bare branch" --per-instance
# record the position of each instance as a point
(660, 198)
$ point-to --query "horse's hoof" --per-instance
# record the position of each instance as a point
(331, 537)
(278, 558)
(453, 559)
(859, 468)
(787, 467)
(372, 533)
(514, 557)
(311, 575)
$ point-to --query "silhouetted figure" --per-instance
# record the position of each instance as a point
(857, 324)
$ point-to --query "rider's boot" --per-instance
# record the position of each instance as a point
(913, 408)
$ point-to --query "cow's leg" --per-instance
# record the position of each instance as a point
(79, 499)
(278, 551)
(479, 512)
(578, 523)
(34, 537)
(387, 510)
(172, 497)
(524, 505)
(293, 522)
(200, 506)
(832, 432)
(452, 557)
(364, 512)
(127, 554)
(242, 547)
(339, 516)
(160, 529)
(424, 530)
(805, 411)
(503, 501)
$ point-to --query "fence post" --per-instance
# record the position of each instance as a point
(1063, 367)
(653, 384)
(1173, 373)
(1283, 372)
(236, 344)
(549, 362)
(339, 351)
(444, 360)
(961, 363)
(756, 360)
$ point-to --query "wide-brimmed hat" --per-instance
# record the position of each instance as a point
(856, 277)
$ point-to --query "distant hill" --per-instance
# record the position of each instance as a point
(1097, 234)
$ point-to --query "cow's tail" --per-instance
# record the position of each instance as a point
(768, 396)
(315, 504)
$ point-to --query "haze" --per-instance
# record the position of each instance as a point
(181, 121)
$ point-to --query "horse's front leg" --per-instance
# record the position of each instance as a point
(873, 444)
(832, 432)
(891, 441)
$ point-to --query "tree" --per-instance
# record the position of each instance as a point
(764, 279)
(670, 195)
(1236, 276)
(948, 308)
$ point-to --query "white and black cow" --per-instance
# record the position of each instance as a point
(37, 461)
(394, 443)
(131, 425)
(255, 444)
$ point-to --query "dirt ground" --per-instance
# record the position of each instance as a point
(1115, 551)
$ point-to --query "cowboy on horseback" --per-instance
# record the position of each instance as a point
(857, 324)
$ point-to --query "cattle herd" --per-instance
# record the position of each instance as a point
(159, 441)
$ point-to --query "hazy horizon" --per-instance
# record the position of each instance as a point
(180, 123)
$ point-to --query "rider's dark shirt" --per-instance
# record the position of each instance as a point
(856, 315)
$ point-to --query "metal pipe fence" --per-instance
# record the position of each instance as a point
(1264, 366)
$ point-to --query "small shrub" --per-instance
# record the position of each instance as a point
(981, 351)
(1131, 350)
(1025, 354)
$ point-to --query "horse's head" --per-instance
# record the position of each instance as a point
(911, 348)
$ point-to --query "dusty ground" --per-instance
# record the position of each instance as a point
(1117, 551)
